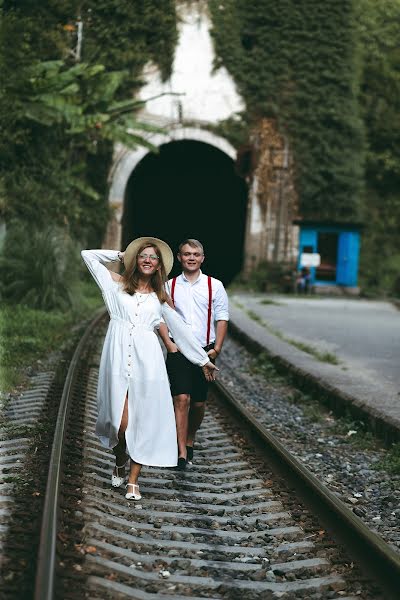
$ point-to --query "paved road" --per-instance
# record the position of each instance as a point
(362, 334)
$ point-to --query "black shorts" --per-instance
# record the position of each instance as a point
(187, 378)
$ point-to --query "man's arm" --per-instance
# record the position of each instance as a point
(221, 328)
(221, 315)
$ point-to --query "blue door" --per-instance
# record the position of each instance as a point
(347, 264)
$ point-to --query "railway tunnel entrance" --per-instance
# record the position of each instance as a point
(189, 190)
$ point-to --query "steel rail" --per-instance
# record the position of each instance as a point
(46, 561)
(377, 554)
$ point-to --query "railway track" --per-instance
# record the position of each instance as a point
(233, 525)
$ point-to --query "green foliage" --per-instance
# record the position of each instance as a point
(391, 461)
(28, 334)
(297, 63)
(328, 357)
(60, 116)
(262, 365)
(118, 35)
(129, 34)
(235, 130)
(270, 302)
(73, 105)
(39, 269)
(380, 102)
(81, 98)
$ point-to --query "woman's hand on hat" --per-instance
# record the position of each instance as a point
(210, 371)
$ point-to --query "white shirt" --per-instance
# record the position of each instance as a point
(191, 303)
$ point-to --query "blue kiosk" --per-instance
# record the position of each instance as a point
(338, 247)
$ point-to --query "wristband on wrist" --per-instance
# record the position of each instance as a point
(217, 351)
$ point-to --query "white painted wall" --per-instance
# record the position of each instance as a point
(206, 96)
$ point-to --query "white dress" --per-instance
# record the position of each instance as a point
(132, 363)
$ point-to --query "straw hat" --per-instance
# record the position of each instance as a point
(133, 248)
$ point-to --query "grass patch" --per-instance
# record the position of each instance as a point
(352, 431)
(355, 432)
(391, 461)
(322, 356)
(263, 366)
(254, 316)
(272, 302)
(312, 409)
(28, 335)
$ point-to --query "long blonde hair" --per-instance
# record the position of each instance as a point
(131, 275)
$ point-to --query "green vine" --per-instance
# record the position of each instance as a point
(297, 62)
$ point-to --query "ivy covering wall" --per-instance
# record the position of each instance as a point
(379, 25)
(297, 62)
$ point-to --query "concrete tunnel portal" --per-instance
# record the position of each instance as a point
(189, 190)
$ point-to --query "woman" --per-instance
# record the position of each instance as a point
(135, 410)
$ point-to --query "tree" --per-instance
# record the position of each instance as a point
(59, 119)
(379, 24)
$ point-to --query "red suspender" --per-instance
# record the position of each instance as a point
(173, 290)
(209, 309)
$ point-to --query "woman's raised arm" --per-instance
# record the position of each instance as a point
(95, 260)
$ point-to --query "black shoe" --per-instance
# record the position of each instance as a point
(181, 463)
(189, 450)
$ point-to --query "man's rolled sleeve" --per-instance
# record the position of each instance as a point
(221, 304)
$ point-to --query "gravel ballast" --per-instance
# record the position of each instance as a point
(331, 448)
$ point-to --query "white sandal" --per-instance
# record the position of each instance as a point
(116, 480)
(135, 494)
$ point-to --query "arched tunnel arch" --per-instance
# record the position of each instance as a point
(189, 189)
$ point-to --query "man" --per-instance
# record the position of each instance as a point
(202, 302)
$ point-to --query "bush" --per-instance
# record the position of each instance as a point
(28, 334)
(39, 268)
(380, 278)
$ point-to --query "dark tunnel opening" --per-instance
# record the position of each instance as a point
(189, 190)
